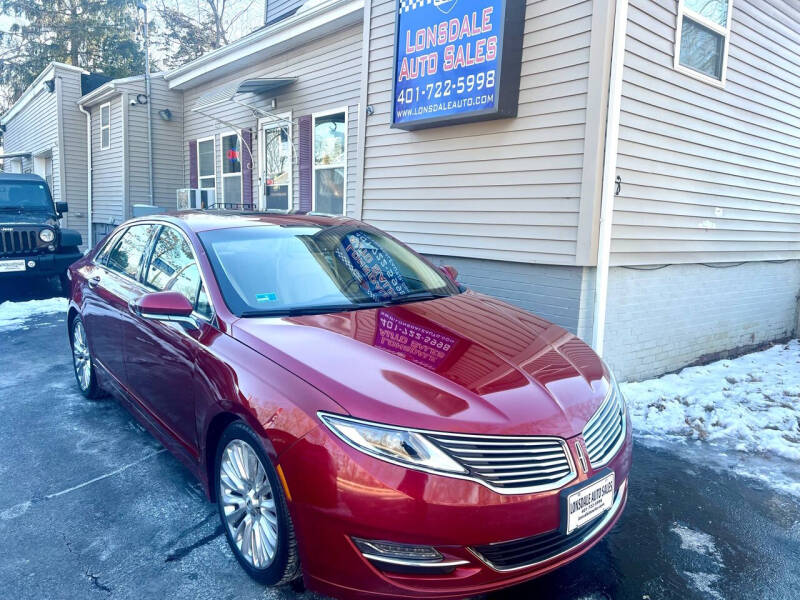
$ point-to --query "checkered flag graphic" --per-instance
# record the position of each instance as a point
(409, 5)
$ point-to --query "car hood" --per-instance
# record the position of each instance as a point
(467, 363)
(10, 219)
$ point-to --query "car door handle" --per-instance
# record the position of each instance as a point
(94, 281)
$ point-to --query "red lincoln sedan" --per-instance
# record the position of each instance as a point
(360, 418)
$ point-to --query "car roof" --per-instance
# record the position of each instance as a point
(206, 220)
(21, 177)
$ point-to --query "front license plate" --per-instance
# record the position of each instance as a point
(11, 266)
(589, 502)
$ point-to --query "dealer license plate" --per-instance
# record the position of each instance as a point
(589, 502)
(11, 266)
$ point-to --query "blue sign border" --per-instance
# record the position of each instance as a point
(508, 73)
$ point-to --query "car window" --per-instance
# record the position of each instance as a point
(171, 255)
(303, 269)
(127, 253)
(172, 267)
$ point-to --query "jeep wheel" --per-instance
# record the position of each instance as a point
(82, 361)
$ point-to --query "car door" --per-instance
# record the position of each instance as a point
(160, 355)
(112, 282)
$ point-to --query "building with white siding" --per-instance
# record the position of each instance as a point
(44, 133)
(120, 151)
(645, 195)
(637, 182)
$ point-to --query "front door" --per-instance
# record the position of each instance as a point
(276, 165)
(111, 284)
(160, 355)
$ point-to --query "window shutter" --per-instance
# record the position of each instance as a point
(305, 161)
(193, 164)
(247, 169)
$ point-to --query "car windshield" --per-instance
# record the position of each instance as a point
(25, 196)
(309, 269)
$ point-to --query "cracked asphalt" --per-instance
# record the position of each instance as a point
(92, 506)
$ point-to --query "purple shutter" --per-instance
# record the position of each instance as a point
(247, 169)
(193, 164)
(304, 162)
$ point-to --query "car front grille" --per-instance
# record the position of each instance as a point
(510, 464)
(19, 241)
(605, 431)
(530, 551)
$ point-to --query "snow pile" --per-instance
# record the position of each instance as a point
(14, 314)
(748, 405)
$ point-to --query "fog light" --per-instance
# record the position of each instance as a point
(31, 264)
(395, 550)
(406, 558)
(51, 247)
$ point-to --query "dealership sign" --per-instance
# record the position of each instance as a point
(456, 61)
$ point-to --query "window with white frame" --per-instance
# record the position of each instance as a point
(206, 165)
(105, 126)
(232, 170)
(330, 162)
(701, 42)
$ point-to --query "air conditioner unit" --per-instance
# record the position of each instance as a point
(194, 198)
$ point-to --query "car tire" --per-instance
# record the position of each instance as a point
(253, 509)
(82, 365)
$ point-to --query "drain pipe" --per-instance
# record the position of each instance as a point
(609, 172)
(89, 232)
(143, 7)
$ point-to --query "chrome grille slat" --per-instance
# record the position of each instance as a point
(510, 464)
(546, 463)
(605, 432)
(21, 240)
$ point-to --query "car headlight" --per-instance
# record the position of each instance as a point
(47, 235)
(392, 444)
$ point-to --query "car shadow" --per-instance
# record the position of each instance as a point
(20, 289)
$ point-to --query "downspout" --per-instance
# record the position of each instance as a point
(609, 172)
(62, 158)
(90, 233)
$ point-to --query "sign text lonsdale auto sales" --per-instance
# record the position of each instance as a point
(456, 61)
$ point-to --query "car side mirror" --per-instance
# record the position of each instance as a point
(164, 306)
(61, 207)
(450, 271)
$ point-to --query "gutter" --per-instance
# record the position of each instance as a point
(609, 172)
(89, 233)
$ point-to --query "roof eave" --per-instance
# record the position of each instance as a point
(207, 66)
(30, 91)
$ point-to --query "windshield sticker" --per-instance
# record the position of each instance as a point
(373, 267)
(421, 345)
(268, 297)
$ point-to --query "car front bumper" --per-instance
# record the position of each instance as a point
(337, 493)
(44, 265)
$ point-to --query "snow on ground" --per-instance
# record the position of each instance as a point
(747, 408)
(15, 314)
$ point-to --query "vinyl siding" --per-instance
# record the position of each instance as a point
(328, 73)
(35, 129)
(503, 190)
(107, 167)
(167, 146)
(710, 174)
(73, 125)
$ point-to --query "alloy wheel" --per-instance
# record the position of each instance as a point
(80, 356)
(248, 504)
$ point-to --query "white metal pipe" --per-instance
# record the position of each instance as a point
(609, 174)
(89, 232)
(147, 86)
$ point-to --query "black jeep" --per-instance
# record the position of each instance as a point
(32, 243)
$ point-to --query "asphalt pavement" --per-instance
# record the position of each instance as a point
(92, 506)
